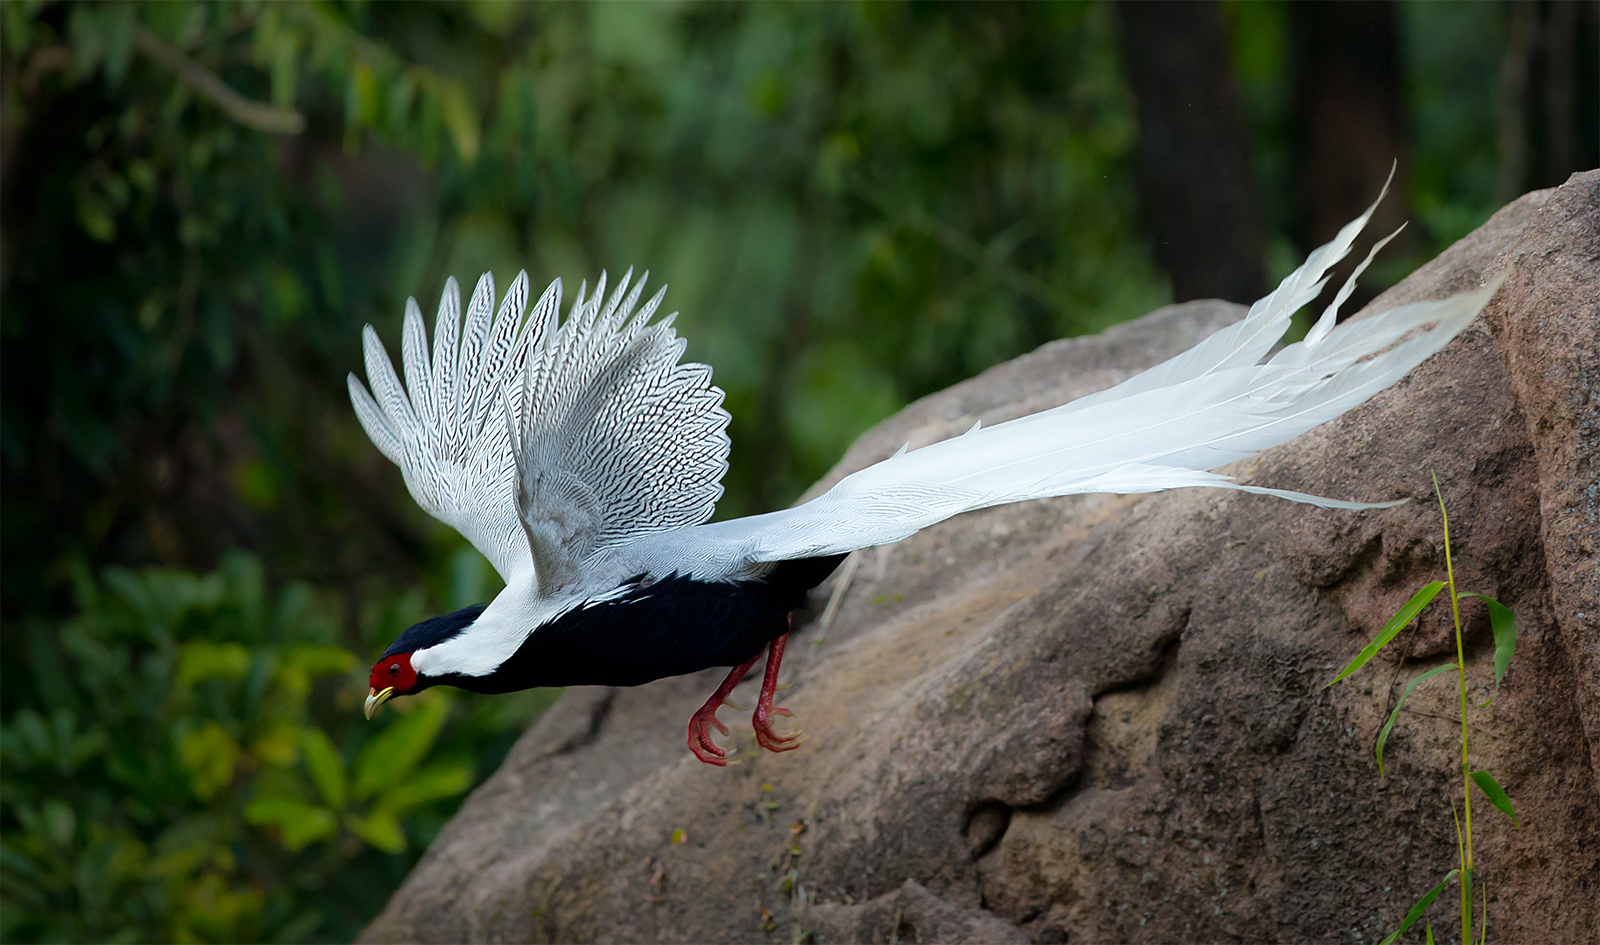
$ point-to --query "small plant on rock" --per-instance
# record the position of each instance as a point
(1504, 625)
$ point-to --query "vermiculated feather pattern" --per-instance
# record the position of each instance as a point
(458, 467)
(614, 438)
(617, 439)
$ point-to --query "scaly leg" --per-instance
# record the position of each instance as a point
(765, 710)
(706, 716)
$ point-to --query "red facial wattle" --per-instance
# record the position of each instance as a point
(391, 676)
(394, 673)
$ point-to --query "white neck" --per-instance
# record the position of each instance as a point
(495, 635)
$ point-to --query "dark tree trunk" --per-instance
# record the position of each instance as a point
(1195, 186)
(1349, 123)
(1548, 94)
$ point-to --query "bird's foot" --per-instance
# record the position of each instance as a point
(705, 718)
(761, 720)
(700, 726)
(769, 739)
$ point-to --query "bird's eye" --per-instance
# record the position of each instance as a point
(394, 669)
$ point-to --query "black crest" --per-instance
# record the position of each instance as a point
(433, 632)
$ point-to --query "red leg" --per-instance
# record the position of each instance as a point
(706, 716)
(765, 710)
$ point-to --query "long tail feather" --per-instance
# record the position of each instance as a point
(1162, 429)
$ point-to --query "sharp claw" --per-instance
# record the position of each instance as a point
(773, 741)
(782, 743)
(700, 743)
(734, 705)
(779, 710)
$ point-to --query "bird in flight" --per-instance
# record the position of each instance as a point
(584, 460)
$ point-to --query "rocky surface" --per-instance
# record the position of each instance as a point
(1103, 718)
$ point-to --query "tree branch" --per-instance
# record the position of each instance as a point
(240, 109)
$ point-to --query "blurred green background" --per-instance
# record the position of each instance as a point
(855, 205)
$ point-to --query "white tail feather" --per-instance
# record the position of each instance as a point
(1162, 429)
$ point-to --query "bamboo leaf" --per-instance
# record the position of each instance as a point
(1383, 735)
(1504, 624)
(1421, 907)
(1495, 793)
(1396, 623)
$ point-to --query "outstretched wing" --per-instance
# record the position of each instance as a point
(613, 438)
(444, 428)
(1162, 429)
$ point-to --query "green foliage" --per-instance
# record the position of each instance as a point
(1420, 908)
(1504, 625)
(198, 768)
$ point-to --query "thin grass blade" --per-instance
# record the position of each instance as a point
(1421, 907)
(1396, 623)
(1495, 793)
(1461, 848)
(1504, 624)
(1383, 735)
(1483, 931)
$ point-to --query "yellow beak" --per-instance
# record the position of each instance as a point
(375, 699)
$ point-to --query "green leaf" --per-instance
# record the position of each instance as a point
(1421, 907)
(321, 660)
(436, 781)
(197, 661)
(1495, 793)
(325, 766)
(1383, 735)
(299, 824)
(1396, 623)
(381, 829)
(279, 745)
(459, 119)
(389, 757)
(209, 753)
(1504, 624)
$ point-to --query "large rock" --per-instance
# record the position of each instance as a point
(1103, 718)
